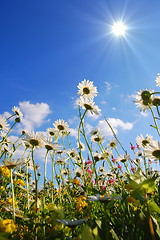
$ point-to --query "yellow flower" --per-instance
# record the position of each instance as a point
(76, 181)
(7, 226)
(20, 182)
(10, 201)
(81, 203)
(5, 171)
(2, 188)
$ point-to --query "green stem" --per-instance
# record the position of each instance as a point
(154, 119)
(13, 196)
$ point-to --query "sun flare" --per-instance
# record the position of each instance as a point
(119, 29)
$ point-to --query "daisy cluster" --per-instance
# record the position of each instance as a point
(91, 185)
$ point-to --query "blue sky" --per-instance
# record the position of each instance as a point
(48, 47)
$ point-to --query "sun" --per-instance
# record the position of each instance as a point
(119, 29)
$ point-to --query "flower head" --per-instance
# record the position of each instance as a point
(144, 141)
(34, 139)
(13, 163)
(144, 99)
(88, 105)
(61, 125)
(3, 123)
(99, 138)
(17, 111)
(152, 151)
(123, 158)
(87, 89)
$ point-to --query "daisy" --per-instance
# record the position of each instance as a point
(158, 80)
(72, 153)
(144, 99)
(143, 142)
(98, 156)
(52, 132)
(102, 198)
(156, 101)
(89, 105)
(81, 146)
(87, 89)
(78, 172)
(17, 111)
(61, 161)
(61, 125)
(34, 139)
(95, 131)
(152, 151)
(49, 145)
(3, 124)
(123, 158)
(13, 163)
(112, 144)
(107, 153)
(99, 138)
(72, 223)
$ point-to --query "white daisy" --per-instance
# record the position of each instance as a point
(52, 132)
(34, 139)
(112, 143)
(87, 89)
(98, 156)
(78, 172)
(156, 101)
(107, 153)
(49, 145)
(158, 80)
(88, 105)
(81, 146)
(123, 158)
(143, 142)
(95, 131)
(13, 163)
(61, 125)
(72, 153)
(17, 111)
(3, 124)
(144, 99)
(61, 161)
(152, 151)
(99, 138)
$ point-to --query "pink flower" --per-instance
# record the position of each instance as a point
(119, 166)
(88, 162)
(89, 170)
(113, 159)
(111, 180)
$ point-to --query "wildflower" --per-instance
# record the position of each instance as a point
(17, 111)
(52, 132)
(34, 139)
(87, 89)
(13, 163)
(123, 158)
(80, 202)
(103, 198)
(112, 144)
(89, 105)
(119, 166)
(61, 161)
(101, 169)
(152, 151)
(107, 153)
(49, 145)
(3, 124)
(81, 146)
(113, 159)
(143, 142)
(76, 181)
(61, 125)
(156, 101)
(64, 171)
(7, 226)
(78, 172)
(95, 131)
(72, 153)
(89, 170)
(144, 99)
(73, 223)
(158, 80)
(99, 138)
(98, 156)
(20, 182)
(4, 171)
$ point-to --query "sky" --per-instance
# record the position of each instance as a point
(48, 47)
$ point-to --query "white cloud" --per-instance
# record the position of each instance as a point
(34, 114)
(108, 87)
(73, 132)
(116, 124)
(93, 116)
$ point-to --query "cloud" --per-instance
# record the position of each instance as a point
(116, 123)
(93, 116)
(108, 87)
(34, 114)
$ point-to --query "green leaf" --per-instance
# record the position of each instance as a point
(114, 235)
(153, 207)
(87, 233)
(149, 184)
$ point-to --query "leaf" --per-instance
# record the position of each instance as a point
(114, 235)
(87, 233)
(153, 207)
(149, 184)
